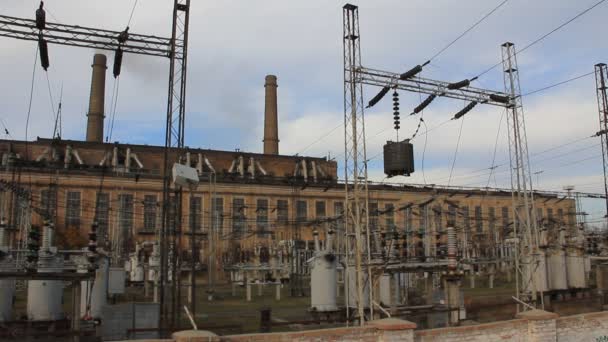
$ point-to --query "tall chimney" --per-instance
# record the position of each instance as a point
(271, 130)
(96, 100)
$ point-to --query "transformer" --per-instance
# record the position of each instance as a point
(323, 282)
(398, 158)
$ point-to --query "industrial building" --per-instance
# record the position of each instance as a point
(248, 199)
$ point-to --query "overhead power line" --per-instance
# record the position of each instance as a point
(468, 30)
(558, 84)
(541, 38)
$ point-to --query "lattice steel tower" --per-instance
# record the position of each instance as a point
(355, 160)
(525, 225)
(601, 76)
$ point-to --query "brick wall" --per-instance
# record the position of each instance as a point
(534, 325)
(584, 327)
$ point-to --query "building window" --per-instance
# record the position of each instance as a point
(409, 220)
(301, 211)
(125, 219)
(438, 221)
(102, 213)
(196, 209)
(492, 219)
(262, 216)
(389, 210)
(373, 216)
(171, 213)
(282, 211)
(217, 214)
(424, 213)
(238, 216)
(48, 202)
(550, 219)
(320, 209)
(466, 218)
(339, 213)
(150, 213)
(72, 209)
(505, 217)
(478, 220)
(560, 216)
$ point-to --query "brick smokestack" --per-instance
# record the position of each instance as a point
(271, 129)
(96, 101)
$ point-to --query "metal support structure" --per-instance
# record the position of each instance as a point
(355, 163)
(525, 225)
(174, 48)
(601, 77)
(380, 78)
(355, 75)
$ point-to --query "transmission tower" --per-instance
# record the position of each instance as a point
(601, 76)
(174, 48)
(525, 226)
(355, 163)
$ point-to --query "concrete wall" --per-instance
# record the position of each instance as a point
(535, 325)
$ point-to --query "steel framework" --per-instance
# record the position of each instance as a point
(175, 49)
(355, 157)
(525, 225)
(601, 76)
(356, 184)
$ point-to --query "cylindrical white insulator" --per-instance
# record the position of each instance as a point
(452, 248)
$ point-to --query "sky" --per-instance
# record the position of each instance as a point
(234, 44)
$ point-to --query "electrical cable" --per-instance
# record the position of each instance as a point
(538, 40)
(29, 111)
(558, 84)
(468, 30)
(424, 150)
(456, 151)
(319, 139)
(132, 12)
(493, 167)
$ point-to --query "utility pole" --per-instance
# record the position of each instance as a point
(601, 77)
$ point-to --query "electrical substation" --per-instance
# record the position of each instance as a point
(108, 241)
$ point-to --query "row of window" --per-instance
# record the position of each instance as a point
(427, 215)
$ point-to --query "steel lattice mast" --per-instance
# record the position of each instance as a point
(174, 48)
(525, 225)
(601, 77)
(355, 160)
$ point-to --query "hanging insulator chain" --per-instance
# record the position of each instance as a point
(378, 97)
(417, 128)
(424, 104)
(396, 115)
(465, 110)
(42, 44)
(41, 17)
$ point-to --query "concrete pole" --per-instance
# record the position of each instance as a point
(96, 101)
(452, 294)
(472, 278)
(271, 130)
(249, 292)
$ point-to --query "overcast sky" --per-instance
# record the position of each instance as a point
(234, 44)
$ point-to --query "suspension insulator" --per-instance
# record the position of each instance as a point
(123, 36)
(378, 97)
(396, 114)
(40, 17)
(117, 62)
(424, 103)
(458, 85)
(465, 110)
(499, 98)
(44, 52)
(411, 73)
